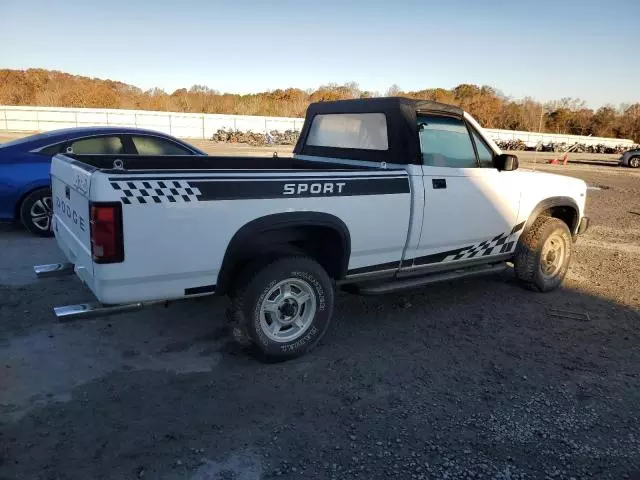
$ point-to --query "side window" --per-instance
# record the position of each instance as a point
(98, 146)
(158, 146)
(366, 131)
(445, 142)
(485, 154)
(51, 150)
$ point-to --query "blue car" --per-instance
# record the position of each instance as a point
(25, 194)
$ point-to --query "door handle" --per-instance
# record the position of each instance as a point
(439, 183)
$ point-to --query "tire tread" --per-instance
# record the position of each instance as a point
(526, 256)
(235, 314)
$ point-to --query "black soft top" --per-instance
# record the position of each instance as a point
(402, 128)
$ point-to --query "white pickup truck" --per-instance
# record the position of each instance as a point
(381, 195)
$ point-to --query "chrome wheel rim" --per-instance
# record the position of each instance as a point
(40, 214)
(635, 162)
(553, 256)
(287, 310)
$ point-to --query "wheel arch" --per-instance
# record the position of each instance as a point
(563, 208)
(268, 234)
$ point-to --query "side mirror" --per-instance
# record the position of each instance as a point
(506, 162)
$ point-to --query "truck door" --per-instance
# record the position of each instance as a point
(470, 207)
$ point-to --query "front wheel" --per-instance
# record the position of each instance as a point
(543, 254)
(634, 162)
(284, 308)
(36, 211)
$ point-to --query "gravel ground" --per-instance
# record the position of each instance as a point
(464, 380)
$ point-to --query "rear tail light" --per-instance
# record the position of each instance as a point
(107, 245)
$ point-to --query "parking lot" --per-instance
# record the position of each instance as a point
(470, 379)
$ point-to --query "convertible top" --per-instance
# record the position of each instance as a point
(402, 129)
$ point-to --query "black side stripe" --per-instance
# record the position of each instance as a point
(375, 268)
(305, 178)
(202, 289)
(517, 228)
(281, 171)
(483, 249)
(437, 257)
(506, 247)
(230, 190)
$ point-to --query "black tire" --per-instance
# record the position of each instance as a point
(540, 274)
(253, 326)
(634, 162)
(36, 210)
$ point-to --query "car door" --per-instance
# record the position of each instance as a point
(470, 207)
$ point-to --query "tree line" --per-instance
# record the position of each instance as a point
(40, 87)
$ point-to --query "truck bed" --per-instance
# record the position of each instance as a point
(173, 219)
(105, 163)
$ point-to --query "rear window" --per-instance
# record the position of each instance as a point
(51, 150)
(98, 146)
(365, 131)
(157, 146)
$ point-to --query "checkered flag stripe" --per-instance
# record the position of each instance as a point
(155, 191)
(502, 243)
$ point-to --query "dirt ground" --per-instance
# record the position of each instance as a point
(464, 380)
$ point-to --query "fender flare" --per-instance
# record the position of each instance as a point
(280, 221)
(551, 202)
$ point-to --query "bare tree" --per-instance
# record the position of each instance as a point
(490, 106)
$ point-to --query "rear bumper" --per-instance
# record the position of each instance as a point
(92, 310)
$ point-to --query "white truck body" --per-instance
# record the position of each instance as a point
(174, 246)
(182, 223)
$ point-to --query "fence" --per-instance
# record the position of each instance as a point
(185, 125)
(198, 125)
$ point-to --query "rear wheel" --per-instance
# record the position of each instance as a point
(543, 254)
(634, 162)
(36, 211)
(284, 308)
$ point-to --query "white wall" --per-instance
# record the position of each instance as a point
(198, 125)
(531, 139)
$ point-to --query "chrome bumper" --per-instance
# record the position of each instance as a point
(82, 310)
(93, 310)
(53, 269)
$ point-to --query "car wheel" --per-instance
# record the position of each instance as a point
(36, 211)
(634, 162)
(543, 254)
(284, 308)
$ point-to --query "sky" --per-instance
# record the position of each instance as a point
(544, 49)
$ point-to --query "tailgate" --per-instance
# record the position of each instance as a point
(70, 184)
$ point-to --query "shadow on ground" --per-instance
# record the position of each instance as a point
(473, 379)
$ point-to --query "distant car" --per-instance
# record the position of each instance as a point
(25, 193)
(631, 158)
